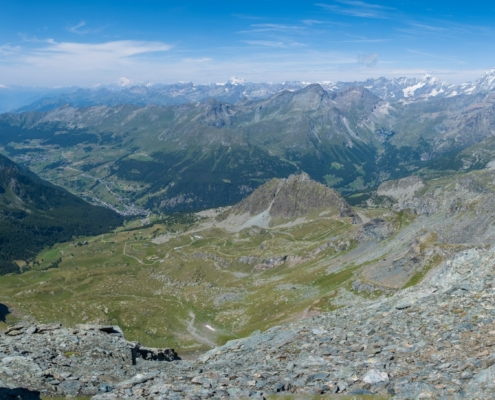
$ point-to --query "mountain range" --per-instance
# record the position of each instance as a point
(207, 154)
(21, 99)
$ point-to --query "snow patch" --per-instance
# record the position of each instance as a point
(409, 91)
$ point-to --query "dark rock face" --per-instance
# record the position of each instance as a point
(15, 394)
(376, 229)
(4, 311)
(152, 354)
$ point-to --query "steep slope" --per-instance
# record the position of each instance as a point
(35, 214)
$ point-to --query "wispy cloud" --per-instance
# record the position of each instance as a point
(359, 9)
(428, 28)
(436, 56)
(363, 41)
(312, 22)
(197, 60)
(82, 29)
(57, 60)
(265, 43)
(259, 28)
(446, 29)
(8, 50)
(244, 16)
(107, 50)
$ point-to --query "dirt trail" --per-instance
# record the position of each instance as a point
(194, 332)
(137, 259)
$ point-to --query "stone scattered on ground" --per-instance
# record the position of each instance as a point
(434, 340)
(85, 361)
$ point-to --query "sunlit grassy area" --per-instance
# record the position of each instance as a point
(165, 294)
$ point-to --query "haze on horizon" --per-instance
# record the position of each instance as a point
(83, 43)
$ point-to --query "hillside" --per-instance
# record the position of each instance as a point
(34, 215)
(214, 269)
(397, 305)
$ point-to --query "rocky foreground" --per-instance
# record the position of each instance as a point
(435, 340)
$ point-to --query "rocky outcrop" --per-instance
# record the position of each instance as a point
(376, 229)
(56, 361)
(296, 196)
(270, 263)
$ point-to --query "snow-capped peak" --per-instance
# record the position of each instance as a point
(485, 83)
(236, 81)
(430, 79)
(123, 82)
(488, 73)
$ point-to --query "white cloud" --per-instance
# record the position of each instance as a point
(44, 51)
(75, 28)
(197, 60)
(62, 62)
(56, 63)
(266, 43)
(78, 29)
(312, 22)
(260, 28)
(359, 9)
(97, 52)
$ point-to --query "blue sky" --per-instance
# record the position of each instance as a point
(54, 43)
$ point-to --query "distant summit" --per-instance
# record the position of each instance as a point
(236, 81)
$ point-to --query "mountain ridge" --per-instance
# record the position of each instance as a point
(237, 89)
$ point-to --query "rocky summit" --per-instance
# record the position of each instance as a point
(433, 340)
(280, 200)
